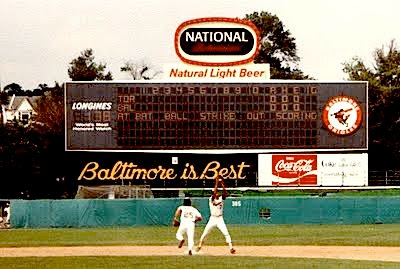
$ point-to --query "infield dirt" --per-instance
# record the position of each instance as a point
(329, 252)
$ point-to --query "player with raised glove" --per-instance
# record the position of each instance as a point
(216, 204)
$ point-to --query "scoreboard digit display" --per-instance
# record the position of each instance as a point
(191, 116)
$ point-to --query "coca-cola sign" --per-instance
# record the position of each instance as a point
(294, 169)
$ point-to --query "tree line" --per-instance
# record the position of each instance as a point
(33, 159)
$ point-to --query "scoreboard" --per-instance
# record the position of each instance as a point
(266, 116)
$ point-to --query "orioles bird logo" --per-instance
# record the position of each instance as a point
(342, 116)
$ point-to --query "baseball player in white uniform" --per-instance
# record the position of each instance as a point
(7, 211)
(188, 217)
(216, 204)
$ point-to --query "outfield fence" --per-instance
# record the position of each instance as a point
(237, 210)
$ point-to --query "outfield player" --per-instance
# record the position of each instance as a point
(188, 217)
(216, 204)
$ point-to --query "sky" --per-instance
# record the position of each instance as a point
(39, 38)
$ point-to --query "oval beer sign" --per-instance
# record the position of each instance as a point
(217, 41)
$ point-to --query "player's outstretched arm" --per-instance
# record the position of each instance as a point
(224, 192)
(215, 191)
(175, 221)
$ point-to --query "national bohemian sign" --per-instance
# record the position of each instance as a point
(217, 42)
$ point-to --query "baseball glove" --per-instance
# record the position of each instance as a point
(175, 223)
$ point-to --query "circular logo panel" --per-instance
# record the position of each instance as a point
(342, 115)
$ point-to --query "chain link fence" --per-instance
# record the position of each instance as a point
(384, 178)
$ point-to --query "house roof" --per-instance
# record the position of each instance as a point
(17, 101)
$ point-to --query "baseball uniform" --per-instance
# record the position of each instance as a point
(216, 220)
(188, 218)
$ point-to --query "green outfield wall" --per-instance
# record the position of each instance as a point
(246, 211)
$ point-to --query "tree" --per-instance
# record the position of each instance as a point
(13, 88)
(50, 126)
(139, 71)
(20, 149)
(32, 158)
(84, 68)
(278, 47)
(384, 99)
(40, 90)
(50, 110)
(3, 98)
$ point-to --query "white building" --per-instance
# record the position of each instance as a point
(20, 108)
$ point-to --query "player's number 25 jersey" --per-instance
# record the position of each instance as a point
(189, 214)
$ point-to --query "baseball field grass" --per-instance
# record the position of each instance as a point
(257, 235)
(317, 235)
(173, 262)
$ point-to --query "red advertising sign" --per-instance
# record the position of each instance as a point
(298, 170)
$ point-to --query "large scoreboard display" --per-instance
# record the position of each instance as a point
(190, 116)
